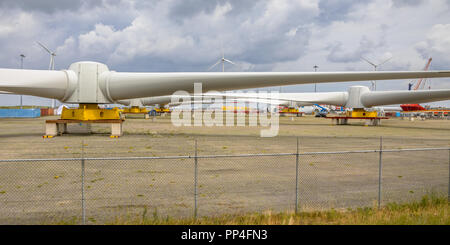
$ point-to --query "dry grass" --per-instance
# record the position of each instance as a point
(428, 211)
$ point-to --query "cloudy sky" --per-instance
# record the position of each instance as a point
(258, 35)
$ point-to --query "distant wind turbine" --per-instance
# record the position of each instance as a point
(222, 60)
(52, 56)
(375, 67)
(52, 63)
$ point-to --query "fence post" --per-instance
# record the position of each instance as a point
(83, 207)
(195, 180)
(380, 164)
(296, 179)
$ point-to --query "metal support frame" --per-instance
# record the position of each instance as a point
(195, 179)
(83, 206)
(380, 165)
(296, 178)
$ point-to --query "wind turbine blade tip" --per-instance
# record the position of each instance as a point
(218, 62)
(44, 47)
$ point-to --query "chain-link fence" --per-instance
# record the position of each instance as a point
(93, 190)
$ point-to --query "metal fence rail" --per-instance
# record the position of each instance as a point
(220, 156)
(97, 190)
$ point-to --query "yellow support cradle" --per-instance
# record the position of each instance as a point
(235, 108)
(90, 112)
(162, 110)
(135, 110)
(289, 110)
(361, 113)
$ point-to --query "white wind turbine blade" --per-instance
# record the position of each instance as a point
(62, 85)
(334, 98)
(262, 101)
(385, 61)
(378, 98)
(369, 99)
(42, 83)
(369, 62)
(229, 61)
(129, 85)
(218, 62)
(44, 47)
(161, 100)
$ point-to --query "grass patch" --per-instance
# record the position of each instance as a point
(430, 210)
(95, 180)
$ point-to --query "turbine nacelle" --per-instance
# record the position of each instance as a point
(87, 83)
(355, 94)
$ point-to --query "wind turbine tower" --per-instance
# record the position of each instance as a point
(52, 63)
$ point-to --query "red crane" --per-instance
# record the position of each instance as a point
(417, 107)
(419, 82)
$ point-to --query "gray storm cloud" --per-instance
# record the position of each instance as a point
(50, 6)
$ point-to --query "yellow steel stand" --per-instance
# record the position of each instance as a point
(85, 113)
(361, 113)
(118, 109)
(289, 110)
(235, 108)
(162, 110)
(89, 112)
(135, 110)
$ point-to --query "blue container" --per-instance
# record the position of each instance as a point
(398, 114)
(20, 113)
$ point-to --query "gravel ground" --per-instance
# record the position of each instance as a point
(50, 191)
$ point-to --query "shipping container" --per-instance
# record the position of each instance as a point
(20, 113)
(47, 112)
